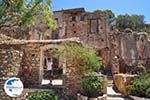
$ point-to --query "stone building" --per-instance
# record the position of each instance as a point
(92, 28)
(132, 50)
(25, 54)
(26, 59)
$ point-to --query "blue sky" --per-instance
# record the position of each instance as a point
(117, 6)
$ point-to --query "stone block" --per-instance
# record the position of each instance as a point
(121, 82)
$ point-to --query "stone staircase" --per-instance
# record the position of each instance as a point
(111, 94)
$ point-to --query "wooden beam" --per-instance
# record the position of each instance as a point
(74, 39)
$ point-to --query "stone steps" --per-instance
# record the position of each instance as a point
(115, 98)
(111, 94)
(109, 84)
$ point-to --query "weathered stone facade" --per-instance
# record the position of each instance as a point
(25, 58)
(14, 32)
(132, 49)
(91, 28)
(122, 81)
(37, 32)
(120, 51)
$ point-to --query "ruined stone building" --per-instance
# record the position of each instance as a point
(24, 54)
(132, 50)
(91, 28)
(26, 59)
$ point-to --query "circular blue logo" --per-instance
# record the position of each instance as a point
(13, 87)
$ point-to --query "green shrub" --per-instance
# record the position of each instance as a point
(83, 60)
(148, 92)
(141, 86)
(92, 85)
(44, 95)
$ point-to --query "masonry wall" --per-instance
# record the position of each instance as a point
(23, 60)
(18, 62)
(29, 72)
(14, 32)
(91, 28)
(10, 62)
(143, 49)
(132, 50)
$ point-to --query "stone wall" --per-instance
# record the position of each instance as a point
(132, 50)
(91, 28)
(22, 58)
(143, 49)
(122, 81)
(10, 63)
(32, 33)
(29, 72)
(15, 32)
(21, 61)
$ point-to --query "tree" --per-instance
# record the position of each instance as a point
(121, 22)
(146, 28)
(25, 12)
(108, 12)
(135, 22)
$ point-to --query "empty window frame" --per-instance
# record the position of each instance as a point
(56, 19)
(55, 35)
(73, 18)
(94, 26)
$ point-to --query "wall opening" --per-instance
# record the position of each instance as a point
(73, 18)
(52, 68)
(93, 26)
